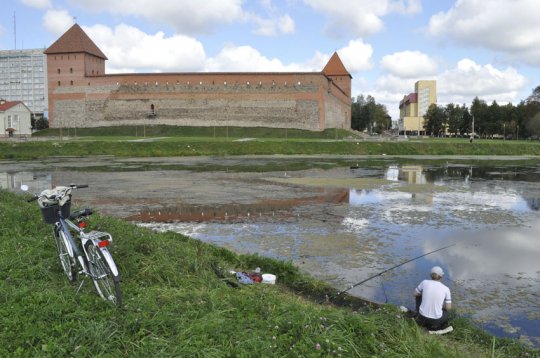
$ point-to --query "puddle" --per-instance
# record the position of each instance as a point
(345, 224)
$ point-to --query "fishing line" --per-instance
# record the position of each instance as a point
(390, 269)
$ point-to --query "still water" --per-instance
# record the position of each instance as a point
(357, 221)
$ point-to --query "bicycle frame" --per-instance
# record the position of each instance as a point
(98, 239)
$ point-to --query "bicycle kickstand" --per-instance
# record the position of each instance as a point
(80, 285)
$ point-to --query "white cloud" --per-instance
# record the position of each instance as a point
(131, 50)
(40, 4)
(356, 56)
(243, 59)
(459, 84)
(188, 16)
(511, 27)
(409, 64)
(272, 27)
(57, 21)
(469, 79)
(361, 17)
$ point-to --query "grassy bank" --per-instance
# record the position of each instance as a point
(162, 141)
(176, 304)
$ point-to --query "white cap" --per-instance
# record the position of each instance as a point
(437, 270)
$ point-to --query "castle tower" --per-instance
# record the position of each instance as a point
(336, 71)
(70, 59)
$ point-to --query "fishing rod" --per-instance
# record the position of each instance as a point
(390, 269)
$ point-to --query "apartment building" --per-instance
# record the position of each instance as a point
(23, 77)
(414, 106)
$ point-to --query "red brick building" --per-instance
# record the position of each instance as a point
(81, 94)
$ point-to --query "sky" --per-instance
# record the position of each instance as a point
(488, 49)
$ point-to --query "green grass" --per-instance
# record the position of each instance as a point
(163, 141)
(176, 305)
(206, 132)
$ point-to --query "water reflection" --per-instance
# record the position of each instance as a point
(36, 182)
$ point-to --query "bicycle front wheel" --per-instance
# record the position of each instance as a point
(107, 285)
(67, 260)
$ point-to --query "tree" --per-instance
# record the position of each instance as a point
(368, 115)
(479, 111)
(454, 114)
(466, 121)
(494, 112)
(535, 96)
(435, 120)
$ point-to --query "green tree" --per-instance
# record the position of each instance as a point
(466, 121)
(454, 113)
(531, 117)
(535, 96)
(479, 111)
(369, 115)
(435, 120)
(492, 124)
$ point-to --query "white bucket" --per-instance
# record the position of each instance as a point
(269, 278)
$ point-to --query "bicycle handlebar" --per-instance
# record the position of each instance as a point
(70, 186)
(78, 186)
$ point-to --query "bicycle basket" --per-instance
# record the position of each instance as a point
(49, 211)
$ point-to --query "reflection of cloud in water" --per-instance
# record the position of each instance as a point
(494, 275)
(498, 198)
(354, 224)
(362, 197)
(502, 252)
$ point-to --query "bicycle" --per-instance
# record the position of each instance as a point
(95, 261)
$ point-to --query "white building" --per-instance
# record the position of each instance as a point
(23, 77)
(14, 119)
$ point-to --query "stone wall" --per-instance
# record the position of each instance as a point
(305, 101)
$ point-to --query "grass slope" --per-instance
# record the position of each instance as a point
(176, 305)
(209, 146)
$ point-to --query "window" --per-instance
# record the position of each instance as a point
(58, 83)
(71, 70)
(9, 122)
(71, 83)
(58, 71)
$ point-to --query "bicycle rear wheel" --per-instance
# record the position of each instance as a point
(67, 260)
(107, 285)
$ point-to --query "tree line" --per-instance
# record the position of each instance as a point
(367, 115)
(493, 120)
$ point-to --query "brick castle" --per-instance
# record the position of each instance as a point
(81, 94)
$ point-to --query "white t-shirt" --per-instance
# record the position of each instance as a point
(434, 295)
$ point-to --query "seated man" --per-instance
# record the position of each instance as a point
(433, 301)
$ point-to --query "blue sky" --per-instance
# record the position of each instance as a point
(489, 49)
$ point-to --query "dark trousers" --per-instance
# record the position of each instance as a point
(431, 323)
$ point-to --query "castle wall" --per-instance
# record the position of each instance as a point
(281, 100)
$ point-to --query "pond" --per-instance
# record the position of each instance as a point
(344, 221)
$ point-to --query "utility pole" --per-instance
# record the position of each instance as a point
(14, 31)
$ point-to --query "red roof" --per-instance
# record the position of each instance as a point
(335, 67)
(411, 98)
(7, 105)
(75, 40)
